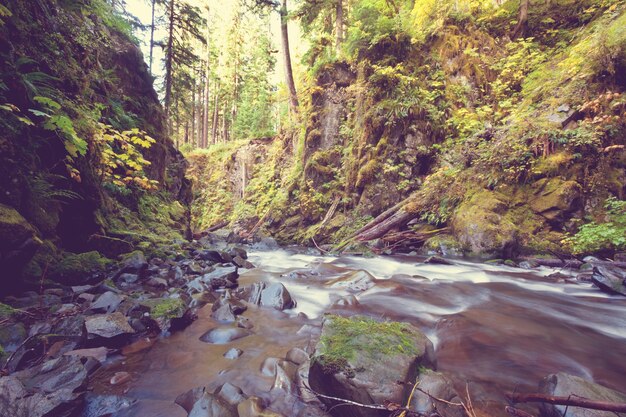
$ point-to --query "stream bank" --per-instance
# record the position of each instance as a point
(496, 327)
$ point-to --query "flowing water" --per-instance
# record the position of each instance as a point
(494, 328)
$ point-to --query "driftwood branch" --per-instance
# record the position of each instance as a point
(569, 401)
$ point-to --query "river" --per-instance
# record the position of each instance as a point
(494, 328)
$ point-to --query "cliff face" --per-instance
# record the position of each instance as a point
(71, 80)
(481, 144)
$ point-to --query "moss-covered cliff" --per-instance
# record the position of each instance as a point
(85, 160)
(492, 145)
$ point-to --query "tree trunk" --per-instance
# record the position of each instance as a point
(193, 112)
(215, 115)
(168, 63)
(522, 20)
(205, 119)
(339, 26)
(293, 96)
(152, 35)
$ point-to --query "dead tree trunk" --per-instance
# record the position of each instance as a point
(519, 397)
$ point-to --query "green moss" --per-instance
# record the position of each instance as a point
(14, 228)
(345, 338)
(75, 268)
(6, 311)
(166, 308)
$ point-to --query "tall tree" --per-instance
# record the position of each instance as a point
(284, 35)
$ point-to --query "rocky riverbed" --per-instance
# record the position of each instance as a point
(212, 329)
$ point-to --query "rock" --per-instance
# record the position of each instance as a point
(275, 295)
(227, 298)
(230, 393)
(233, 353)
(481, 226)
(18, 242)
(554, 198)
(242, 263)
(224, 314)
(223, 335)
(105, 405)
(346, 301)
(99, 353)
(586, 267)
(129, 278)
(66, 372)
(106, 303)
(265, 244)
(167, 311)
(12, 335)
(355, 281)
(222, 277)
(437, 260)
(270, 366)
(440, 386)
(134, 262)
(244, 323)
(610, 279)
(17, 401)
(253, 407)
(108, 325)
(620, 257)
(238, 252)
(79, 269)
(562, 384)
(530, 264)
(157, 282)
(362, 360)
(282, 382)
(205, 404)
(297, 356)
(120, 378)
(211, 256)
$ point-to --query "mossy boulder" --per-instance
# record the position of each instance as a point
(361, 360)
(481, 226)
(165, 308)
(555, 198)
(110, 247)
(18, 242)
(79, 268)
(14, 229)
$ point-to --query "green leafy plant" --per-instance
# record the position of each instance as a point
(608, 235)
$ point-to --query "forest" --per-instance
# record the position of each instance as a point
(312, 208)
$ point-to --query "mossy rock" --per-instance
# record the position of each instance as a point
(110, 247)
(6, 311)
(76, 269)
(554, 198)
(165, 308)
(481, 227)
(14, 229)
(444, 244)
(362, 360)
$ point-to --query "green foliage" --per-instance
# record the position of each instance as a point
(121, 160)
(167, 308)
(600, 236)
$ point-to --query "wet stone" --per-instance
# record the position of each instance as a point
(223, 335)
(106, 303)
(108, 325)
(233, 353)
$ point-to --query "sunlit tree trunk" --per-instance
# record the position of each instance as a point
(152, 35)
(215, 115)
(339, 26)
(293, 96)
(168, 62)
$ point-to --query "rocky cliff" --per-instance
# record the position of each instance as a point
(85, 162)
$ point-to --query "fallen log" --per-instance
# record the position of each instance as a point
(396, 220)
(380, 218)
(572, 401)
(218, 226)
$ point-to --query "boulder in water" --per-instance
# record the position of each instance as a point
(355, 281)
(439, 386)
(200, 403)
(223, 335)
(610, 279)
(564, 385)
(362, 360)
